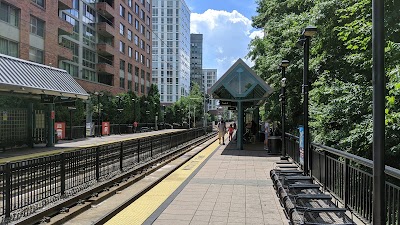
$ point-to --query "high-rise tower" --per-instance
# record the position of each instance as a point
(171, 49)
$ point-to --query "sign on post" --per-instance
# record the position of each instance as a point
(46, 99)
(301, 145)
(60, 130)
(105, 128)
(89, 129)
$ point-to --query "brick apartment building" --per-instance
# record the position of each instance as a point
(105, 44)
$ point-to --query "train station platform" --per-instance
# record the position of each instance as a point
(219, 185)
(70, 145)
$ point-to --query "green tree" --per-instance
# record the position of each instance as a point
(340, 68)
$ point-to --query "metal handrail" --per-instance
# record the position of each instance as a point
(363, 161)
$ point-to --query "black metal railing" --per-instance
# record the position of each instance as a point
(34, 183)
(349, 179)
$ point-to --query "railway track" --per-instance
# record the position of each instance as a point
(69, 207)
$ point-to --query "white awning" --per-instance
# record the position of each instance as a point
(21, 76)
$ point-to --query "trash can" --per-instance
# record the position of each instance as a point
(275, 144)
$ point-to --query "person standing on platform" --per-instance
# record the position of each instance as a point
(230, 130)
(221, 131)
(266, 132)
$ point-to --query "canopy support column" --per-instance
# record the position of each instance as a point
(50, 122)
(239, 132)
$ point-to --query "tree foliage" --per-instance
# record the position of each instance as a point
(340, 69)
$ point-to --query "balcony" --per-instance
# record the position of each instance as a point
(64, 53)
(105, 10)
(105, 49)
(105, 29)
(64, 4)
(65, 28)
(104, 68)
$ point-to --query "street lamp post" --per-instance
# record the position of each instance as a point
(283, 65)
(98, 94)
(189, 115)
(378, 80)
(119, 111)
(308, 32)
(147, 113)
(164, 114)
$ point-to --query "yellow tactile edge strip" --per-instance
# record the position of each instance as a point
(142, 208)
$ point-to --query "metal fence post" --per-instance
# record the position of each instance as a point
(98, 163)
(62, 173)
(151, 147)
(8, 191)
(121, 156)
(346, 183)
(325, 170)
(138, 151)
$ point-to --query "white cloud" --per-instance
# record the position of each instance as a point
(226, 36)
(257, 33)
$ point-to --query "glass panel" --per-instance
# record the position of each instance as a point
(241, 81)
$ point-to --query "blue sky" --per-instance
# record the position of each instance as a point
(226, 28)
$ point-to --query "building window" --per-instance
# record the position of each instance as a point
(142, 14)
(9, 47)
(38, 2)
(136, 8)
(130, 3)
(147, 63)
(148, 49)
(121, 46)
(122, 65)
(129, 35)
(129, 18)
(136, 40)
(129, 85)
(36, 55)
(89, 58)
(129, 68)
(148, 21)
(148, 34)
(136, 55)
(9, 14)
(142, 29)
(37, 26)
(141, 59)
(130, 52)
(121, 11)
(137, 71)
(122, 82)
(137, 24)
(121, 29)
(141, 44)
(136, 87)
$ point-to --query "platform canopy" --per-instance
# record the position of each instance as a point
(25, 77)
(240, 83)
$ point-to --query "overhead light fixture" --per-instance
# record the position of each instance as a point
(284, 63)
(309, 31)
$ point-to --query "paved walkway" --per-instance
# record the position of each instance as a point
(221, 185)
(232, 187)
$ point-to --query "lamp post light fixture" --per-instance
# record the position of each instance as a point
(283, 65)
(304, 41)
(98, 94)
